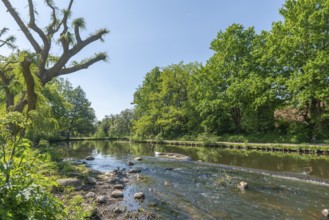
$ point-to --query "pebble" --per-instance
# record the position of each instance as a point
(117, 194)
(124, 180)
(112, 180)
(118, 186)
(91, 180)
(101, 199)
(117, 210)
(90, 195)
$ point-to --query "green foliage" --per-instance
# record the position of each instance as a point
(302, 52)
(23, 191)
(76, 205)
(246, 86)
(116, 126)
(163, 104)
(70, 108)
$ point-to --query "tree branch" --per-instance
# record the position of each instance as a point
(65, 57)
(50, 28)
(23, 27)
(46, 41)
(97, 36)
(83, 65)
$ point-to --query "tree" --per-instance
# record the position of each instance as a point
(70, 108)
(116, 126)
(41, 64)
(225, 76)
(234, 90)
(301, 42)
(162, 104)
(147, 104)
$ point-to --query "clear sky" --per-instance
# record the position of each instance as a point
(149, 33)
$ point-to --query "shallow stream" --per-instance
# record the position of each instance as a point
(281, 186)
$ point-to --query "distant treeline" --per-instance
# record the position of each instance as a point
(272, 84)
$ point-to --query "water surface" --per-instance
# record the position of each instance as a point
(193, 189)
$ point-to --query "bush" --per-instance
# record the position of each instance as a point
(23, 193)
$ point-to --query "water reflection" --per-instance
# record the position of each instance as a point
(194, 190)
(316, 166)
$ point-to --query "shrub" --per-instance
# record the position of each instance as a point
(23, 193)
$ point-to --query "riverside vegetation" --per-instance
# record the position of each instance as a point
(271, 86)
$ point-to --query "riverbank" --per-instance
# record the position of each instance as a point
(319, 149)
(304, 148)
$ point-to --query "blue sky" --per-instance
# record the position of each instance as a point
(149, 33)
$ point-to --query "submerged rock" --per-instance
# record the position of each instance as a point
(139, 195)
(130, 163)
(166, 183)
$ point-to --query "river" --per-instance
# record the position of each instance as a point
(281, 186)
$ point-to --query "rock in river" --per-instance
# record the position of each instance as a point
(242, 185)
(134, 171)
(117, 194)
(325, 213)
(90, 158)
(138, 158)
(139, 195)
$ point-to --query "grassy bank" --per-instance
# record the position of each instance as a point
(271, 147)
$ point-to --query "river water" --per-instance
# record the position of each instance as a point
(281, 186)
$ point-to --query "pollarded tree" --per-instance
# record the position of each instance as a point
(42, 40)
